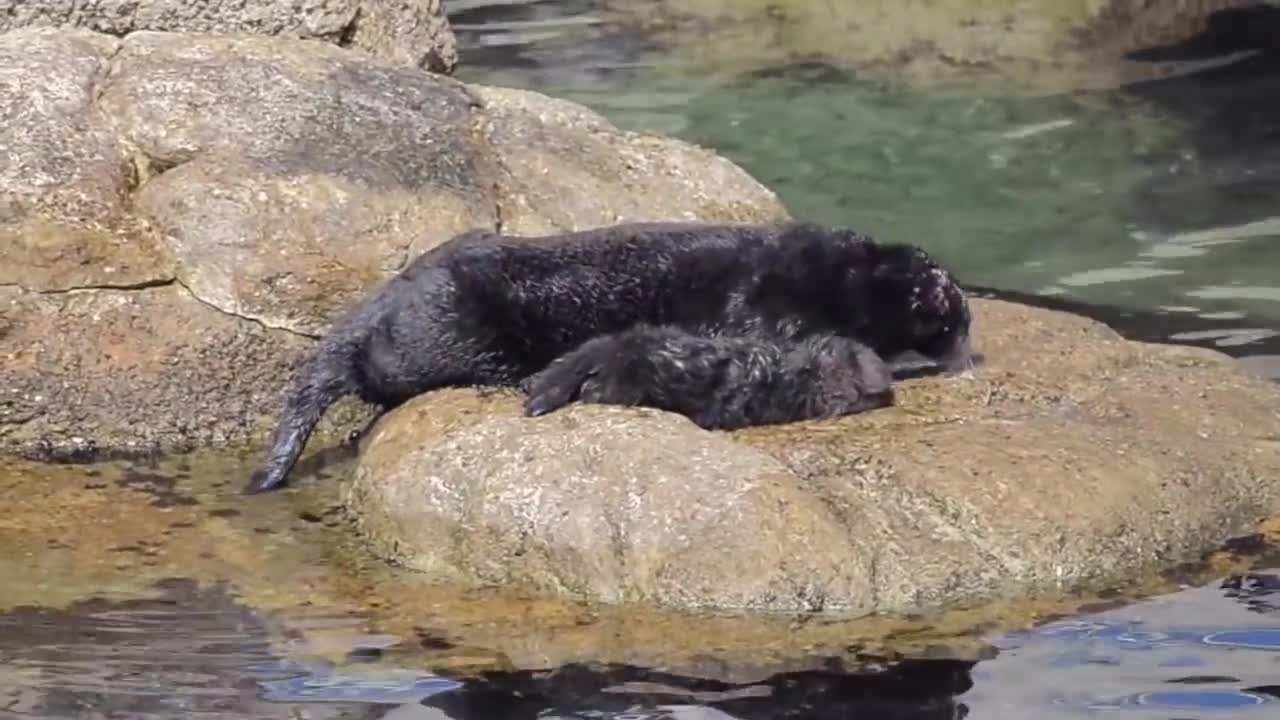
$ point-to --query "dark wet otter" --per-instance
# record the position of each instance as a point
(730, 324)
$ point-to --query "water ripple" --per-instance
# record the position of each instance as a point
(383, 687)
(196, 652)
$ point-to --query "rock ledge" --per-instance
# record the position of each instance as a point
(1072, 459)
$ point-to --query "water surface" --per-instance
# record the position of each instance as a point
(156, 590)
(1153, 204)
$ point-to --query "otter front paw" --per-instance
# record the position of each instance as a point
(550, 391)
(560, 383)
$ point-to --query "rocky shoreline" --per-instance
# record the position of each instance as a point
(182, 213)
(1072, 459)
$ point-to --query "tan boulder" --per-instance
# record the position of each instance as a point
(1070, 459)
(287, 178)
(65, 175)
(549, 187)
(406, 32)
(208, 203)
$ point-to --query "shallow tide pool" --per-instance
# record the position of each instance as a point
(156, 590)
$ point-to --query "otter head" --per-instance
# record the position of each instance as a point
(916, 305)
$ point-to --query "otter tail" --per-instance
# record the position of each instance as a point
(323, 378)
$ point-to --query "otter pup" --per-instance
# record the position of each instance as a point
(730, 324)
(718, 382)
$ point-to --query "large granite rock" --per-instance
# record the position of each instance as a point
(285, 183)
(409, 32)
(181, 213)
(1071, 459)
(548, 186)
(65, 175)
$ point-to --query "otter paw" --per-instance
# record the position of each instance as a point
(562, 382)
(551, 390)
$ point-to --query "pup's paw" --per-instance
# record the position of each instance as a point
(557, 385)
(549, 391)
(575, 376)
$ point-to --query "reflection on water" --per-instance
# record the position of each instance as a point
(911, 690)
(1159, 198)
(1209, 649)
(175, 597)
(190, 652)
(195, 652)
(154, 589)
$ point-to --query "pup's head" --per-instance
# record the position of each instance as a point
(916, 305)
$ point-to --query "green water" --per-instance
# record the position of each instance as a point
(1157, 204)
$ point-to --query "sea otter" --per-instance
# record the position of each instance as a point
(739, 324)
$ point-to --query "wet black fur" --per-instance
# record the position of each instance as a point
(487, 309)
(721, 382)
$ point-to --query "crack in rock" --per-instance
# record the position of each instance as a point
(124, 287)
(238, 316)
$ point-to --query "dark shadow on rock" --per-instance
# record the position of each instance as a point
(910, 690)
(911, 365)
(70, 452)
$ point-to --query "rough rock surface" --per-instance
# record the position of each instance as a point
(1003, 45)
(598, 503)
(548, 186)
(134, 371)
(65, 176)
(409, 32)
(207, 203)
(1071, 458)
(285, 183)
